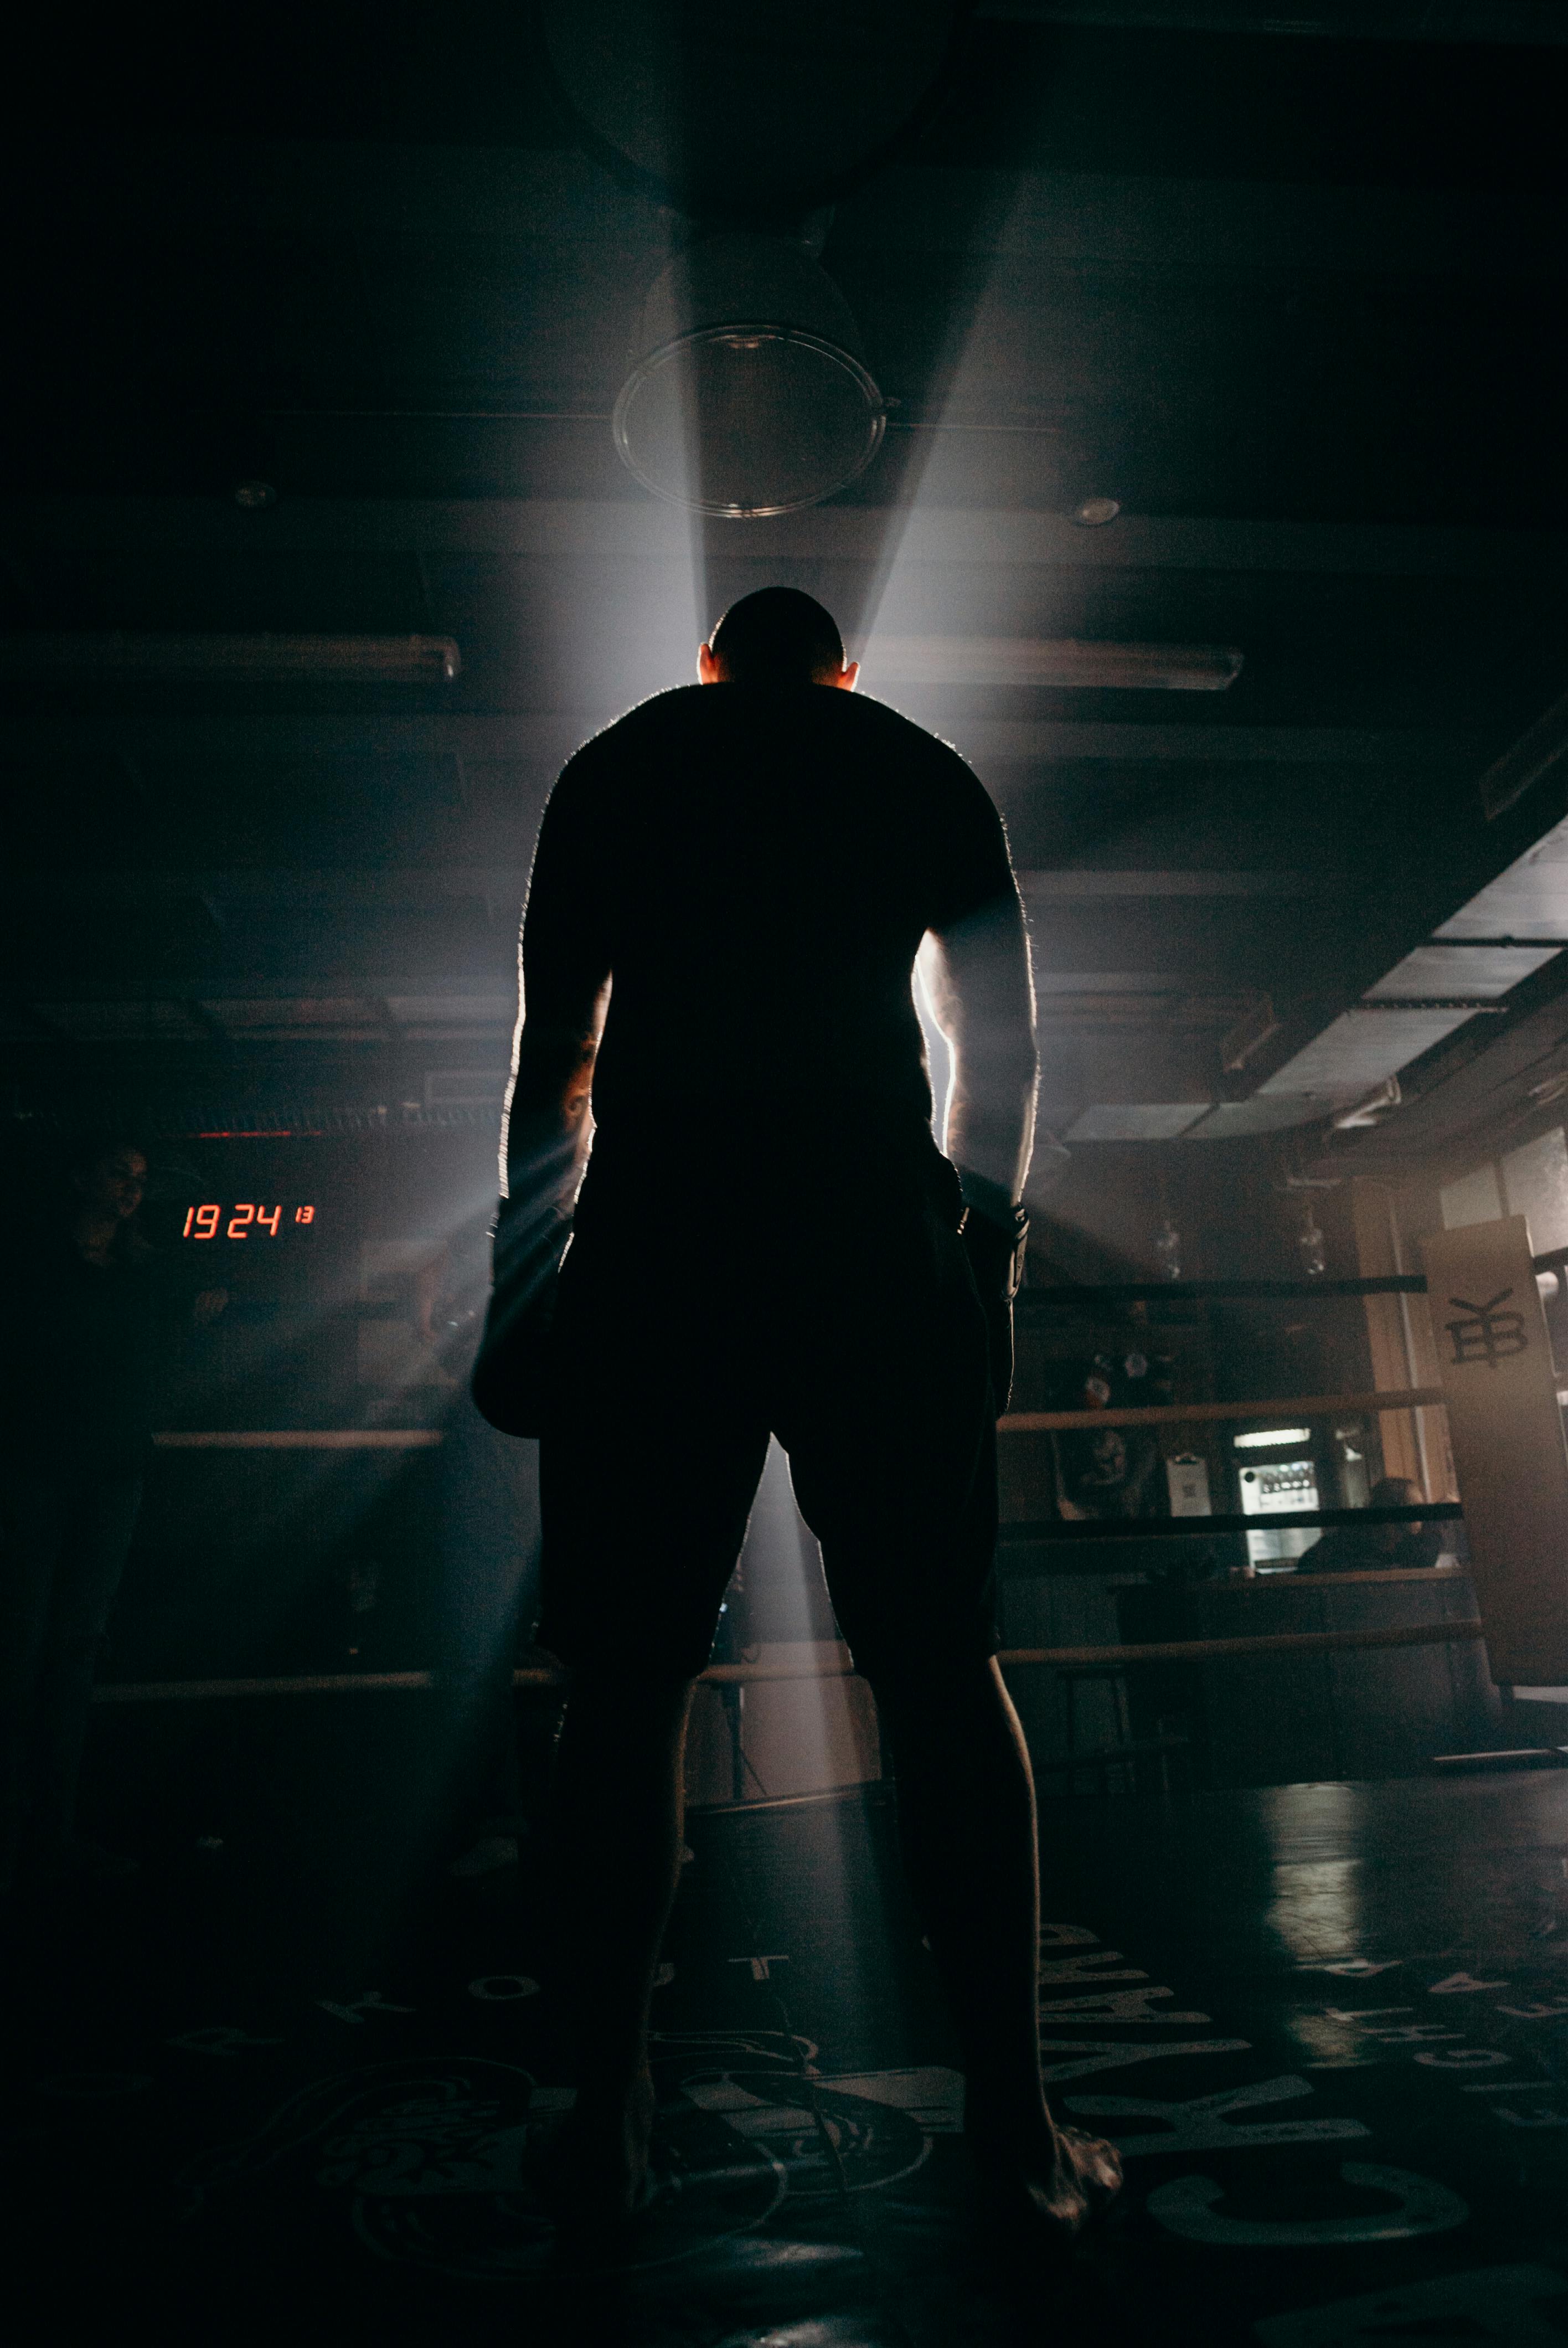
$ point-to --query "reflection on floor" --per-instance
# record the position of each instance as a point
(1327, 2024)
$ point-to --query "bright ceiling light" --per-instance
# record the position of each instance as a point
(1268, 1437)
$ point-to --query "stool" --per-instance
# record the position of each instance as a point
(1121, 1757)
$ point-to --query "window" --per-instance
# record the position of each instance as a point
(1531, 1182)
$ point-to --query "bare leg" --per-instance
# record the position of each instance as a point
(619, 1812)
(968, 1825)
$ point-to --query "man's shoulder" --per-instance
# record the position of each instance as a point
(662, 715)
(877, 741)
(866, 710)
(691, 721)
(915, 749)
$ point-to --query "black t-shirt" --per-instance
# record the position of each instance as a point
(1356, 1548)
(756, 869)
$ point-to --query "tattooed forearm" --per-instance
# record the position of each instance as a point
(548, 1120)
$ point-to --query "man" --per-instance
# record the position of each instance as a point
(731, 889)
(1371, 1549)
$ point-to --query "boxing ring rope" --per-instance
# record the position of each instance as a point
(304, 1438)
(1192, 1414)
(1017, 1422)
(545, 1676)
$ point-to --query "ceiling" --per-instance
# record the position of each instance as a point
(1295, 304)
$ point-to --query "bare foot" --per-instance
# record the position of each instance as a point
(1049, 2194)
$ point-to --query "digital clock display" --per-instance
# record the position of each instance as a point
(246, 1219)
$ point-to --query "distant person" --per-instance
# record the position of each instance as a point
(730, 891)
(81, 1377)
(1369, 1549)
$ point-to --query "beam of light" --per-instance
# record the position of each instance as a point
(811, 1735)
(485, 1505)
(907, 595)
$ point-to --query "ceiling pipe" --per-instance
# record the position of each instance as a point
(1066, 660)
(40, 659)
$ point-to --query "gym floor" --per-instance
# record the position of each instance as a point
(1328, 2024)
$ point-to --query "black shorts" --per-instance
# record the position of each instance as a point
(678, 1349)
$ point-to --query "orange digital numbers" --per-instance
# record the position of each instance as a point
(207, 1222)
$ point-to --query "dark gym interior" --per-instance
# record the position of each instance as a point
(1166, 403)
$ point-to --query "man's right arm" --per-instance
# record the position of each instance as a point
(563, 988)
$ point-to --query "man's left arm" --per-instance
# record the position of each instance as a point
(975, 963)
(976, 974)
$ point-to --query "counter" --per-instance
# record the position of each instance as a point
(1266, 1720)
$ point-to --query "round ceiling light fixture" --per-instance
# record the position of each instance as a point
(749, 396)
(1093, 513)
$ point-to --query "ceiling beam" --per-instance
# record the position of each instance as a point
(1533, 23)
(280, 885)
(640, 530)
(550, 737)
(1534, 756)
(1054, 887)
(548, 208)
(1091, 220)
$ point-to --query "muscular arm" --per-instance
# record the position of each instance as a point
(976, 974)
(563, 964)
(563, 971)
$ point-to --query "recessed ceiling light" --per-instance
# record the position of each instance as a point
(255, 496)
(750, 397)
(1095, 513)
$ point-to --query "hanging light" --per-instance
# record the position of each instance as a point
(1312, 1245)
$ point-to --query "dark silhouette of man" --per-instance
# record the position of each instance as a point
(731, 889)
(1371, 1549)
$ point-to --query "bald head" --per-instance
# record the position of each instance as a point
(777, 637)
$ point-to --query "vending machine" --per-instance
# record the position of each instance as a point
(1277, 1475)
